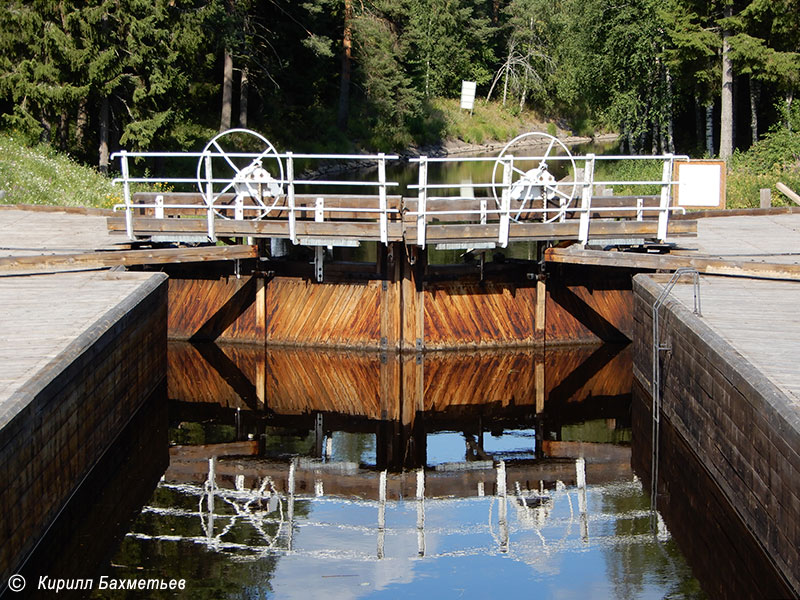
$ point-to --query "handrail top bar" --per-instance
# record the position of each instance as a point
(117, 180)
(142, 154)
(443, 159)
(253, 207)
(377, 157)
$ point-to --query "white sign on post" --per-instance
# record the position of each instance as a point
(701, 184)
(468, 95)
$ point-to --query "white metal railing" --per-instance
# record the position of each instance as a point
(503, 201)
(503, 204)
(276, 189)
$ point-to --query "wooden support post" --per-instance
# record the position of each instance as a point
(538, 371)
(391, 296)
(765, 196)
(413, 333)
(541, 303)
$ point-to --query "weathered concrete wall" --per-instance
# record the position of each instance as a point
(71, 412)
(744, 430)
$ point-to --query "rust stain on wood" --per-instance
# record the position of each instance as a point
(214, 309)
(478, 314)
(300, 312)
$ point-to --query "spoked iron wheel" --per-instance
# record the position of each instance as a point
(244, 163)
(535, 187)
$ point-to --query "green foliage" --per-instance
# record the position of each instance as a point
(774, 158)
(630, 170)
(157, 65)
(40, 175)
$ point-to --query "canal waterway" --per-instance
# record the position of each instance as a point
(501, 470)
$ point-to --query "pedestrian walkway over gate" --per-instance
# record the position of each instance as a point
(539, 193)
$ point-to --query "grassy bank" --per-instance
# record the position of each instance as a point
(40, 175)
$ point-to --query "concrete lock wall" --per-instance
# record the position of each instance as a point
(744, 431)
(72, 411)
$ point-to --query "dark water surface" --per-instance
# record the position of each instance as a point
(297, 474)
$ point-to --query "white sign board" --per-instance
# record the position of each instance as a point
(468, 95)
(701, 184)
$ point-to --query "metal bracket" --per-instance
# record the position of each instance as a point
(420, 347)
(319, 262)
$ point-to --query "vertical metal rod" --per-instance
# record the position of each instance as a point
(656, 375)
(502, 494)
(580, 481)
(421, 512)
(210, 486)
(586, 200)
(319, 251)
(384, 222)
(290, 197)
(290, 510)
(422, 201)
(505, 203)
(210, 199)
(126, 194)
(381, 513)
(666, 198)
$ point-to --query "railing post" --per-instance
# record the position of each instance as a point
(422, 201)
(212, 236)
(586, 200)
(505, 203)
(666, 197)
(126, 193)
(384, 222)
(290, 197)
(319, 251)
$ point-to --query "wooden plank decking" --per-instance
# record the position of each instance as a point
(46, 239)
(760, 319)
(762, 246)
(42, 315)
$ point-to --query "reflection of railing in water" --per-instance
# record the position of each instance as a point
(264, 507)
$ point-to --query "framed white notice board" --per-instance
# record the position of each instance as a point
(701, 184)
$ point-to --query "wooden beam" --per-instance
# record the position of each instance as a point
(671, 262)
(787, 191)
(99, 260)
(734, 212)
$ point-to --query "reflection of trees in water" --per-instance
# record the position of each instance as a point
(631, 567)
(353, 447)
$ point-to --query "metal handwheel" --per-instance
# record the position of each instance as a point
(248, 174)
(537, 183)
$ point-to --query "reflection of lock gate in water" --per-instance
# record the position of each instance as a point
(519, 203)
(271, 514)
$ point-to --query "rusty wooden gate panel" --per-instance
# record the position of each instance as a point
(488, 314)
(588, 305)
(225, 308)
(300, 312)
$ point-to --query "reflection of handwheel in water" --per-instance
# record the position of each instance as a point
(221, 170)
(537, 183)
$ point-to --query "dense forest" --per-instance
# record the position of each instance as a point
(89, 76)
